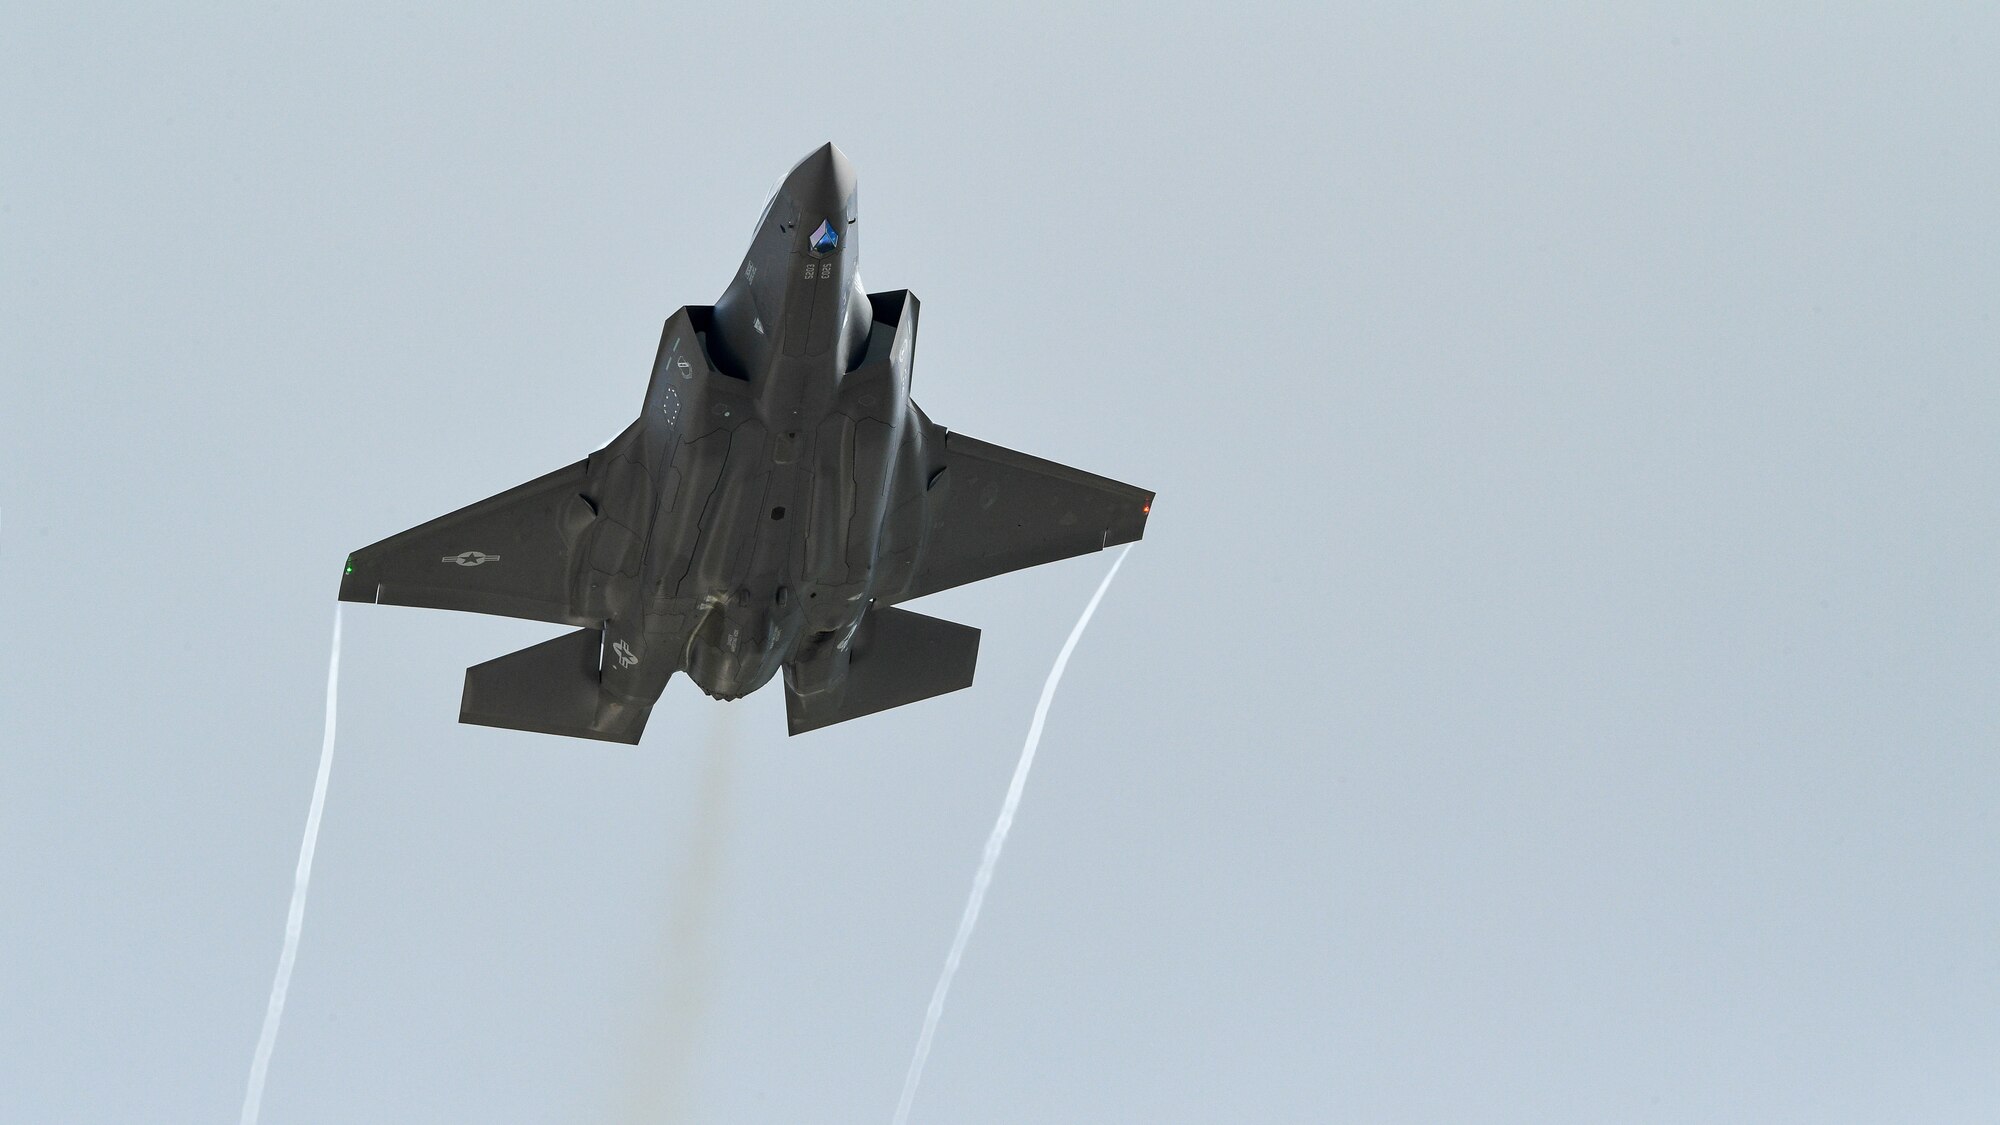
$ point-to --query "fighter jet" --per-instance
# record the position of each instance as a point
(778, 497)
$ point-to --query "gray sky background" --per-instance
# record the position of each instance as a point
(1557, 684)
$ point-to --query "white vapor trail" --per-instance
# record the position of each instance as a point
(994, 843)
(260, 1063)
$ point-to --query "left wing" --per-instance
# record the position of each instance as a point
(1003, 510)
(506, 555)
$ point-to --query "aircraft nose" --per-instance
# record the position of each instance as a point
(825, 176)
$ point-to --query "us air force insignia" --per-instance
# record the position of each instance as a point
(471, 558)
(624, 653)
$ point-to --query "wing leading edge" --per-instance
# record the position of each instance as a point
(1004, 510)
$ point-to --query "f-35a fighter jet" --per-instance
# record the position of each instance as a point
(776, 499)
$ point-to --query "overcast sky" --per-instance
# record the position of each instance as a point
(1557, 685)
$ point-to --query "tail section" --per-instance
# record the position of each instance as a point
(551, 688)
(898, 657)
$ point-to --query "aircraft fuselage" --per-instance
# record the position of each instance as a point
(784, 411)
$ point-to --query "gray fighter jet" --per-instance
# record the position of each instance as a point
(777, 497)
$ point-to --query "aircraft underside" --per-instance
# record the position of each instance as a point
(776, 499)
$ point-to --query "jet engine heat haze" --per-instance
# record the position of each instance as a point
(777, 497)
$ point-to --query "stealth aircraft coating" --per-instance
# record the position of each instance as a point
(776, 500)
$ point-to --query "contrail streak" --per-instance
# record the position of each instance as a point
(994, 843)
(260, 1063)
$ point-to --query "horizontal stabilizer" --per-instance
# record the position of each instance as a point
(551, 688)
(899, 657)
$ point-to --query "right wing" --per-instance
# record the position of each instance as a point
(1005, 510)
(507, 555)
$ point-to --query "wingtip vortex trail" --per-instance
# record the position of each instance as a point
(260, 1062)
(994, 843)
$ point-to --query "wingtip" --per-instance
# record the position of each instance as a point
(1130, 526)
(357, 587)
